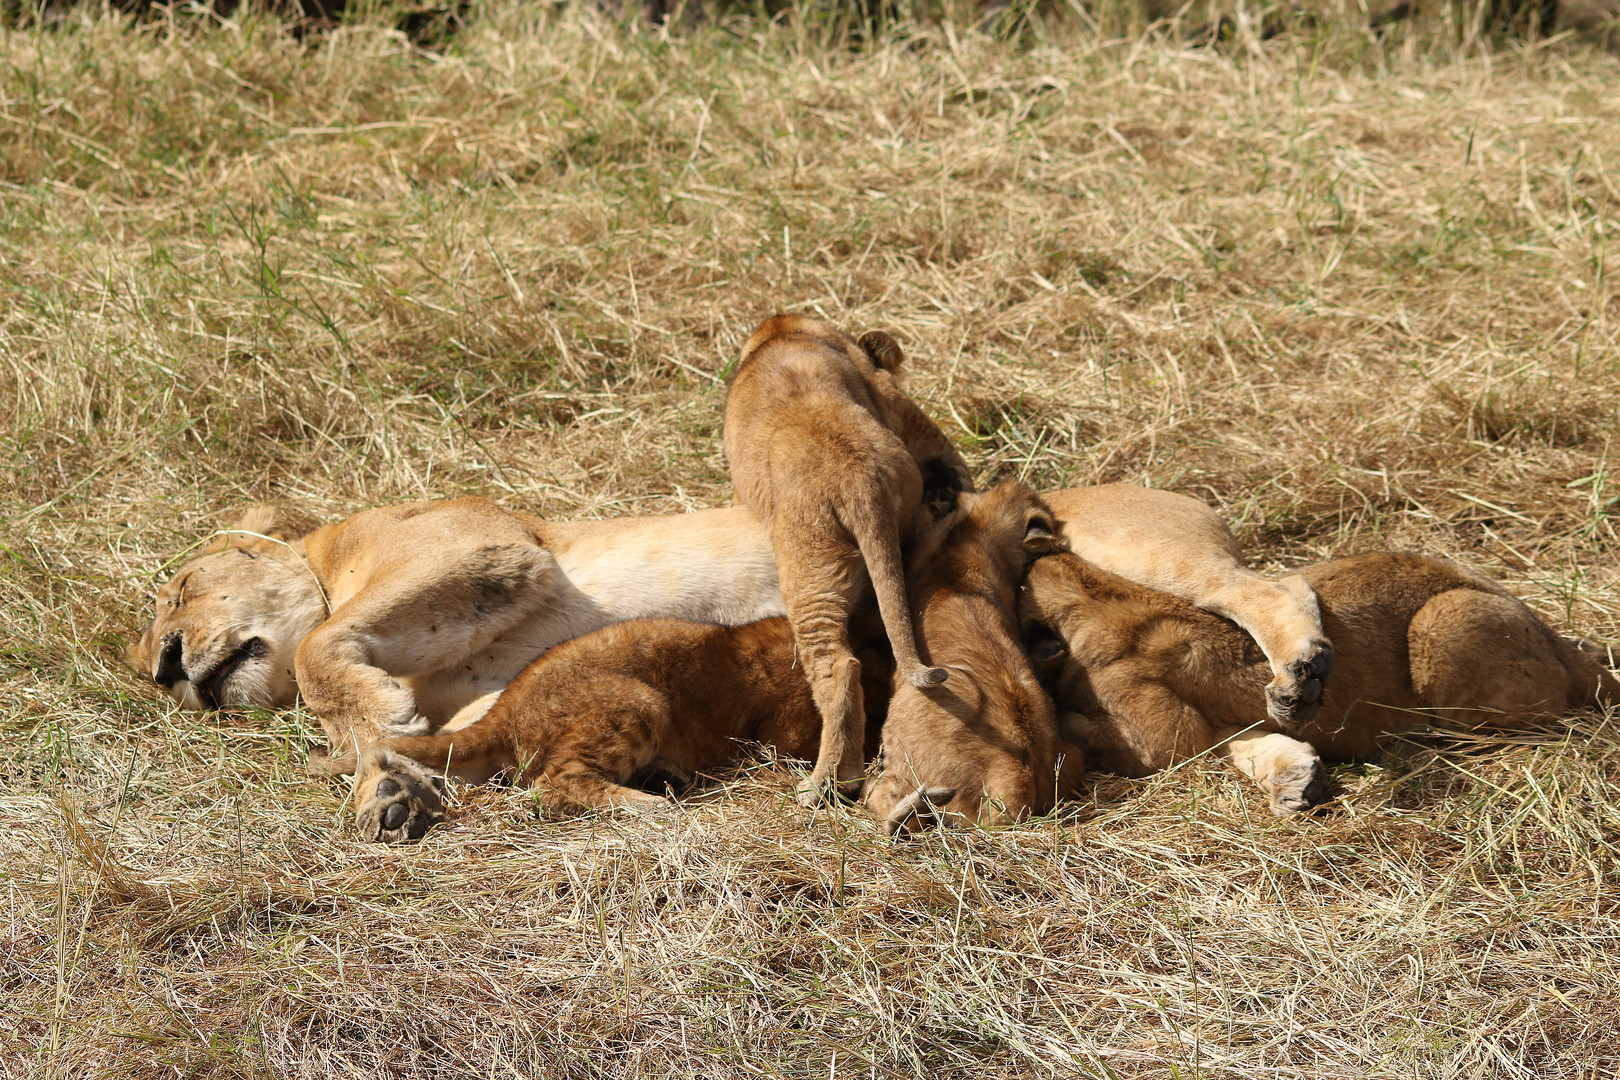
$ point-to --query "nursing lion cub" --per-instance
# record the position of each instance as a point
(584, 720)
(1145, 680)
(983, 746)
(836, 461)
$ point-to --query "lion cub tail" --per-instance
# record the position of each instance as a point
(879, 542)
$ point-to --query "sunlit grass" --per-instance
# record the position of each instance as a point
(1352, 290)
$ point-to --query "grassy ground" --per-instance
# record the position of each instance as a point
(1354, 292)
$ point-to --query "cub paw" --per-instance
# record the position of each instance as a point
(941, 486)
(395, 799)
(816, 791)
(917, 811)
(1295, 696)
(1298, 787)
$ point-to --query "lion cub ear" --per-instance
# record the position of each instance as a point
(1047, 650)
(1040, 534)
(882, 350)
(251, 529)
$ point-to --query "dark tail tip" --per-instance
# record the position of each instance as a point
(932, 676)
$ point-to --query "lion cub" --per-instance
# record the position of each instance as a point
(594, 713)
(835, 460)
(1149, 680)
(983, 746)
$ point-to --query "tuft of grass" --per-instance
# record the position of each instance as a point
(1350, 288)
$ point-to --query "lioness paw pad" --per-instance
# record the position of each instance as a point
(396, 800)
(1296, 695)
(1298, 788)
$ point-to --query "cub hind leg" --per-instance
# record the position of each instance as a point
(1482, 659)
(820, 580)
(595, 741)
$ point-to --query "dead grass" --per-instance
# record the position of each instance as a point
(1352, 291)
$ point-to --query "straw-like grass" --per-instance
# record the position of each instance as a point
(1354, 291)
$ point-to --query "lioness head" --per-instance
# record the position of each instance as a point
(229, 622)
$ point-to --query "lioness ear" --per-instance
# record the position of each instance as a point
(1040, 534)
(883, 350)
(250, 530)
(138, 655)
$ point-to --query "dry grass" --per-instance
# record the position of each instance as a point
(1354, 292)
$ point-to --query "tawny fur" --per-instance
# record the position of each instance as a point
(440, 604)
(984, 745)
(1149, 680)
(582, 721)
(433, 605)
(828, 451)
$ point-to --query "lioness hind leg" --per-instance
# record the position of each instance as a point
(395, 799)
(1287, 770)
(1484, 659)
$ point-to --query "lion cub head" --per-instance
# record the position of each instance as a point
(1004, 529)
(229, 622)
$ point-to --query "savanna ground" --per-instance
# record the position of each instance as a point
(1352, 290)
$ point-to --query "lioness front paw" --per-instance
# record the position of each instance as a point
(395, 799)
(1298, 787)
(1295, 696)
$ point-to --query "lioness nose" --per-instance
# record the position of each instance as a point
(169, 670)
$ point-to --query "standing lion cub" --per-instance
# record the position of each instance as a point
(836, 460)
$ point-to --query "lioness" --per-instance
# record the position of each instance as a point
(586, 718)
(393, 620)
(397, 619)
(1148, 680)
(984, 745)
(834, 458)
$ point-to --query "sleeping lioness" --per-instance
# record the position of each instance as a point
(1144, 680)
(398, 619)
